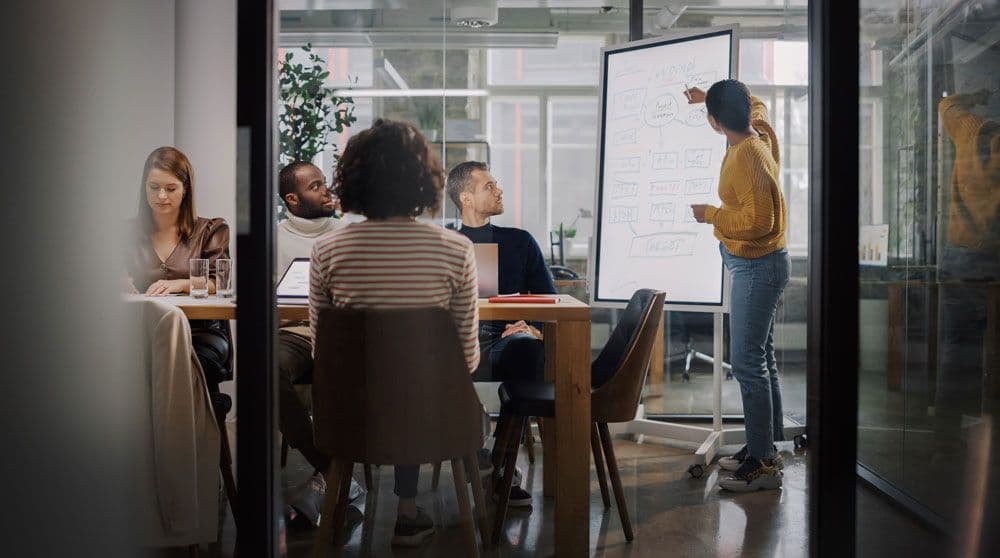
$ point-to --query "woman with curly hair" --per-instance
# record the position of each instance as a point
(390, 174)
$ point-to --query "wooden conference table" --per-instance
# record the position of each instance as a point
(567, 344)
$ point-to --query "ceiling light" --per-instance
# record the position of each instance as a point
(481, 13)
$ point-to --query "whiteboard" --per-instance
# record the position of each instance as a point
(658, 155)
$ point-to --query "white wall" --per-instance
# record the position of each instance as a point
(205, 103)
(205, 111)
(146, 116)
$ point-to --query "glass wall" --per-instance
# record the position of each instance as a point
(529, 106)
(776, 71)
(929, 214)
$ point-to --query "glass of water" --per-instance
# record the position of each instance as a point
(224, 278)
(199, 277)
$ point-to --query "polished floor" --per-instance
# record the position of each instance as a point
(673, 514)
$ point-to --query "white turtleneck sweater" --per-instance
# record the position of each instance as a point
(295, 239)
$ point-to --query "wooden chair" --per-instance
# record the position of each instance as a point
(617, 376)
(392, 387)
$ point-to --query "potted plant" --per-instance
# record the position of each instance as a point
(428, 117)
(310, 111)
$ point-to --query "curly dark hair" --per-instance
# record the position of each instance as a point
(389, 170)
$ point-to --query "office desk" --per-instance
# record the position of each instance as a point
(566, 438)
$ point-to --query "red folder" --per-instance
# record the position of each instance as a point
(524, 299)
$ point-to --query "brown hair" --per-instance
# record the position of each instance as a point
(458, 179)
(172, 160)
(389, 170)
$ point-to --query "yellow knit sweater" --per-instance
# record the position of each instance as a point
(753, 217)
(974, 210)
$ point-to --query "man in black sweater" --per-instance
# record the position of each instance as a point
(510, 351)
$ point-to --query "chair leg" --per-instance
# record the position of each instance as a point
(343, 498)
(479, 499)
(226, 467)
(369, 482)
(508, 477)
(284, 452)
(529, 443)
(616, 480)
(194, 551)
(324, 530)
(500, 446)
(436, 476)
(602, 478)
(468, 525)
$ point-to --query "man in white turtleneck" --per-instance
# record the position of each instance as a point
(310, 212)
(310, 207)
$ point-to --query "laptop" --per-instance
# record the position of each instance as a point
(293, 288)
(488, 269)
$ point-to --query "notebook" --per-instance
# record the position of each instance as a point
(293, 288)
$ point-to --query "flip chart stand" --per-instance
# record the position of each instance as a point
(707, 440)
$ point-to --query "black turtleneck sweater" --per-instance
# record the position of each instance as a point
(522, 266)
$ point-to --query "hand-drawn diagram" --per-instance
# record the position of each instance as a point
(659, 156)
(662, 212)
(671, 73)
(702, 80)
(624, 189)
(666, 188)
(698, 186)
(626, 137)
(663, 245)
(697, 158)
(697, 116)
(621, 214)
(666, 160)
(660, 110)
(628, 103)
(626, 164)
(628, 68)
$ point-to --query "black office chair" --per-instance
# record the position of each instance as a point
(212, 343)
(617, 377)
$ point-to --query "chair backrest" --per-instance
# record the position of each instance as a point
(392, 387)
(620, 370)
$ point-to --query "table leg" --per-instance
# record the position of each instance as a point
(547, 426)
(572, 443)
(897, 344)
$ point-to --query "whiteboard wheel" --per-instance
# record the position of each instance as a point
(696, 471)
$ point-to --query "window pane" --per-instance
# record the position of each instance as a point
(573, 129)
(773, 62)
(576, 61)
(514, 134)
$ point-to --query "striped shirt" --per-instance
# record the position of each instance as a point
(398, 264)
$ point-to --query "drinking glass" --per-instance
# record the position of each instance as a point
(199, 277)
(223, 278)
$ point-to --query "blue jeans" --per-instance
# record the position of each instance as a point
(966, 276)
(756, 286)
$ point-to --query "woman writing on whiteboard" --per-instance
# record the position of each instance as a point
(750, 226)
